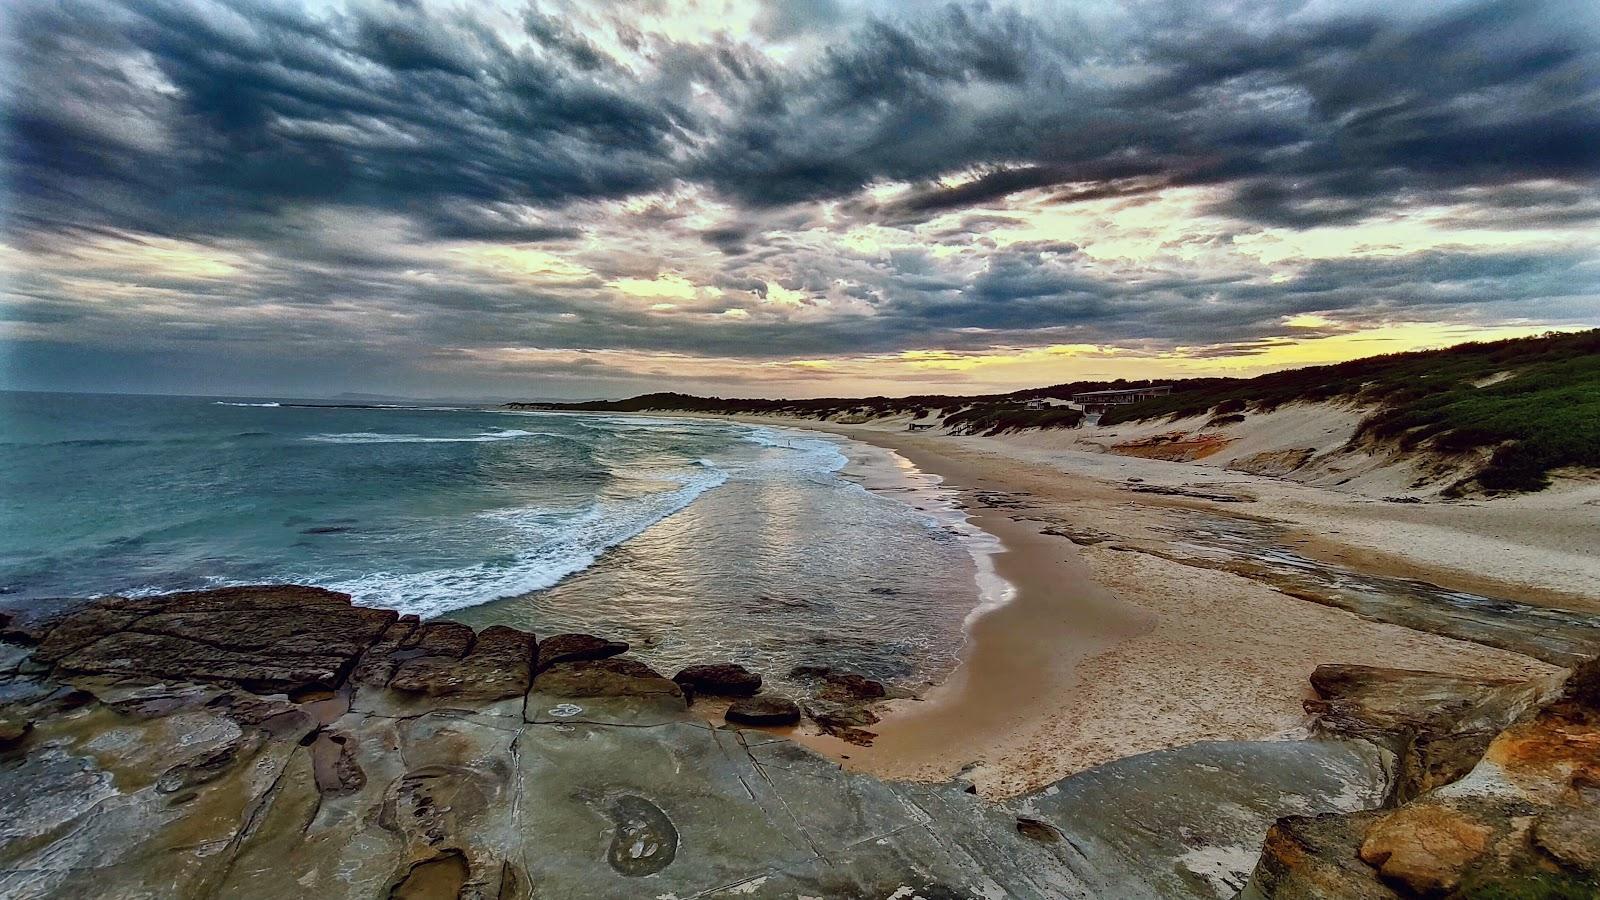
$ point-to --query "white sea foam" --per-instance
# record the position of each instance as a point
(554, 547)
(810, 454)
(370, 437)
(927, 495)
(227, 403)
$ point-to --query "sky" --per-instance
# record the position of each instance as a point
(800, 198)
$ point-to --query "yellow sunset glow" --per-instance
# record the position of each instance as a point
(669, 286)
(519, 263)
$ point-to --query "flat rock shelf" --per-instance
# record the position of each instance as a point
(276, 741)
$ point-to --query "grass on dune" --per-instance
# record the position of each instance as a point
(1543, 415)
(1002, 418)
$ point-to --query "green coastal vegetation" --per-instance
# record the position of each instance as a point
(1532, 403)
(1528, 405)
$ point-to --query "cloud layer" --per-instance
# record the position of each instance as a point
(573, 198)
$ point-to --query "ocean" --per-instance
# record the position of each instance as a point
(694, 540)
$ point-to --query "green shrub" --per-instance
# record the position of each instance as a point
(992, 419)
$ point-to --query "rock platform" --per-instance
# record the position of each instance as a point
(276, 741)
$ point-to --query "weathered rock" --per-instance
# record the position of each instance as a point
(499, 665)
(845, 722)
(83, 628)
(1570, 834)
(840, 687)
(644, 841)
(617, 676)
(278, 718)
(1274, 463)
(1437, 725)
(440, 639)
(1426, 847)
(136, 784)
(269, 638)
(12, 731)
(1310, 858)
(763, 710)
(560, 648)
(719, 680)
(211, 764)
(1520, 823)
(1188, 822)
(441, 876)
(336, 764)
(379, 663)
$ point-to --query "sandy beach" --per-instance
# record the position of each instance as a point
(1112, 648)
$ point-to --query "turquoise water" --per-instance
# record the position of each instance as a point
(687, 537)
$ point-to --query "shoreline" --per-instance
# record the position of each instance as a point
(1107, 651)
(1018, 653)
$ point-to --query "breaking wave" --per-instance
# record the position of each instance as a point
(553, 546)
(372, 437)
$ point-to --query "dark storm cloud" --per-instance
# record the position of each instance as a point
(395, 108)
(1314, 123)
(248, 126)
(263, 108)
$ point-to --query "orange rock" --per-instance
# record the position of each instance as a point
(1425, 847)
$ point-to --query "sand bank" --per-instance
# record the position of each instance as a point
(1109, 650)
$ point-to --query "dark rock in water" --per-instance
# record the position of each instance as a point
(837, 715)
(440, 639)
(500, 665)
(560, 648)
(844, 722)
(719, 680)
(269, 638)
(840, 687)
(612, 677)
(327, 529)
(848, 686)
(764, 709)
(857, 736)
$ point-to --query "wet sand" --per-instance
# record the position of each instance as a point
(1109, 650)
(1019, 659)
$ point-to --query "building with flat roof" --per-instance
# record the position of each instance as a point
(1121, 396)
